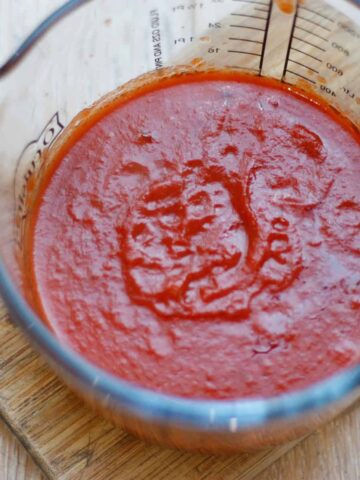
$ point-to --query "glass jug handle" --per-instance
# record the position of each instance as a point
(36, 34)
(43, 27)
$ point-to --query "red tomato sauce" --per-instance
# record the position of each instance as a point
(202, 238)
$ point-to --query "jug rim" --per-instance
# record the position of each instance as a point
(202, 414)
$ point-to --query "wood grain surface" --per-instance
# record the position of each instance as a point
(329, 454)
(69, 442)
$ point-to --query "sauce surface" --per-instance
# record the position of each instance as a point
(203, 239)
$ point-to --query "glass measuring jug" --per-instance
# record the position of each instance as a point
(308, 44)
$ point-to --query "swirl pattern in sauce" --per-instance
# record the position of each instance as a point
(203, 239)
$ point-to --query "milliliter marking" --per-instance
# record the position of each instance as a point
(245, 53)
(303, 65)
(290, 43)
(295, 32)
(301, 7)
(245, 40)
(301, 76)
(266, 8)
(308, 43)
(314, 23)
(312, 33)
(248, 28)
(255, 2)
(265, 36)
(248, 16)
(307, 54)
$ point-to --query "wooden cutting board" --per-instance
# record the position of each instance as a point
(69, 442)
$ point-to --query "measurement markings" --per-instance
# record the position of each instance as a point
(246, 53)
(249, 28)
(265, 36)
(237, 67)
(312, 33)
(302, 65)
(261, 9)
(314, 23)
(309, 43)
(291, 48)
(248, 16)
(255, 2)
(317, 13)
(290, 42)
(302, 76)
(245, 40)
(307, 54)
